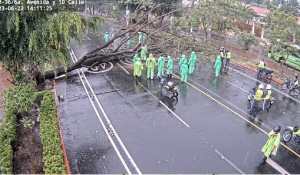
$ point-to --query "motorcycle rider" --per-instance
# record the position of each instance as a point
(268, 97)
(272, 144)
(296, 132)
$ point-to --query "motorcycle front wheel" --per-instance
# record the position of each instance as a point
(287, 135)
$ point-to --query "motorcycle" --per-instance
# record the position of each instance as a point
(291, 88)
(288, 135)
(169, 88)
(265, 75)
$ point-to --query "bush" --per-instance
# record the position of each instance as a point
(49, 132)
(247, 39)
(17, 99)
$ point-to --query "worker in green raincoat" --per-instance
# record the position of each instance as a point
(150, 63)
(218, 65)
(182, 60)
(160, 66)
(272, 144)
(106, 37)
(136, 58)
(137, 69)
(170, 66)
(144, 52)
(184, 71)
(192, 62)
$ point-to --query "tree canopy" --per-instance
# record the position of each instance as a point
(32, 38)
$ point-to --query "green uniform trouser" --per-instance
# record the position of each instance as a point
(150, 72)
(191, 68)
(160, 72)
(184, 77)
(184, 72)
(218, 70)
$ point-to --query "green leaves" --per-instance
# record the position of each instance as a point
(28, 38)
(17, 99)
(49, 132)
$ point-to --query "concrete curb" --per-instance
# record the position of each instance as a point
(276, 80)
(62, 143)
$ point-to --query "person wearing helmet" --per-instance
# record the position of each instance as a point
(272, 144)
(267, 98)
(259, 93)
(296, 82)
(296, 133)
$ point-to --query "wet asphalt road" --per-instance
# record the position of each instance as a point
(217, 141)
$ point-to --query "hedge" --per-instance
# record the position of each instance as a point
(49, 132)
(17, 99)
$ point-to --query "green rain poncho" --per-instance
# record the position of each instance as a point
(137, 68)
(136, 58)
(272, 144)
(150, 63)
(192, 62)
(144, 52)
(170, 65)
(184, 70)
(106, 37)
(218, 65)
(182, 60)
(160, 66)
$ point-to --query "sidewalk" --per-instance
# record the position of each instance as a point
(4, 84)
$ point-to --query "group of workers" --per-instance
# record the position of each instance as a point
(222, 61)
(263, 96)
(186, 66)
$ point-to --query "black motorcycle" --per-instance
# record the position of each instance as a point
(169, 88)
(265, 75)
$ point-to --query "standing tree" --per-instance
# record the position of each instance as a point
(31, 39)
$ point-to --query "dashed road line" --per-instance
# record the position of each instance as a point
(162, 103)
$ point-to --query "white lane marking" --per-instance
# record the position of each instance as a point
(110, 124)
(277, 90)
(162, 103)
(276, 166)
(232, 84)
(229, 162)
(123, 68)
(237, 114)
(102, 123)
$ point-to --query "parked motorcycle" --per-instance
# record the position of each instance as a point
(265, 75)
(291, 87)
(289, 135)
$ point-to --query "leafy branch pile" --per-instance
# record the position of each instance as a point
(17, 100)
(52, 153)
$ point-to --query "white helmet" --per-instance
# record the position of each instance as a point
(268, 87)
(261, 86)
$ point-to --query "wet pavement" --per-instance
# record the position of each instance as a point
(215, 140)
